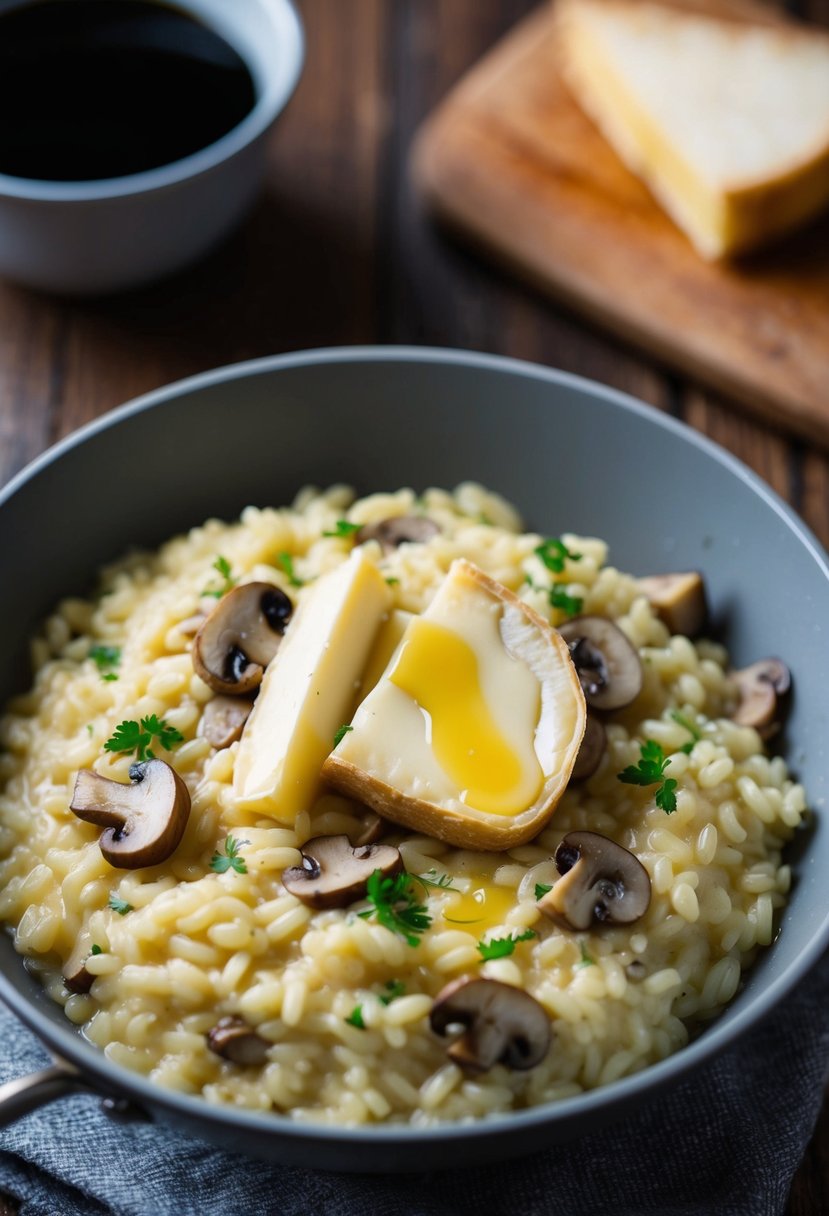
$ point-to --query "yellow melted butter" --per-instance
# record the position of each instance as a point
(439, 671)
(482, 907)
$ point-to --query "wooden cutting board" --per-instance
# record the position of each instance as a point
(510, 159)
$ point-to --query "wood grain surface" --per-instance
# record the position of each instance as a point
(338, 250)
(512, 160)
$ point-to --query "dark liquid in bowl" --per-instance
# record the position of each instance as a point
(93, 89)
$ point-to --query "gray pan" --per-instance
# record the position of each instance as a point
(574, 456)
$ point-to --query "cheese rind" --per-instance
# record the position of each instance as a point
(473, 730)
(308, 689)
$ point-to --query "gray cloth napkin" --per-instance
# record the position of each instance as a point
(726, 1141)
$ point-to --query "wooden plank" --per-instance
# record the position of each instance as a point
(300, 272)
(512, 161)
(437, 292)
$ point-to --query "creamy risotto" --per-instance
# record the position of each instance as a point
(483, 927)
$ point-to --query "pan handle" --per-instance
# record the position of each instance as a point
(25, 1094)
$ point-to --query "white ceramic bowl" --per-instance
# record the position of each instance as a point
(102, 236)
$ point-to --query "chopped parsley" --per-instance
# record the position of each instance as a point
(554, 553)
(500, 947)
(355, 1018)
(131, 736)
(692, 730)
(394, 989)
(561, 599)
(343, 528)
(90, 728)
(392, 582)
(222, 567)
(105, 658)
(220, 863)
(96, 950)
(342, 731)
(586, 959)
(286, 563)
(651, 771)
(119, 905)
(541, 889)
(395, 905)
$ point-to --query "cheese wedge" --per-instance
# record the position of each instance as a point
(727, 122)
(472, 731)
(308, 689)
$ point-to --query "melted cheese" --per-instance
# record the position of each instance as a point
(479, 714)
(308, 689)
(493, 769)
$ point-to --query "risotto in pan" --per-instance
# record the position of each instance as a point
(387, 810)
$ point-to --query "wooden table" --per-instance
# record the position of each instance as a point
(338, 251)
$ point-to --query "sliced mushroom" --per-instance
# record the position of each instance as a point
(679, 600)
(75, 975)
(601, 883)
(502, 1024)
(145, 820)
(414, 529)
(232, 1039)
(223, 719)
(593, 744)
(609, 667)
(333, 874)
(762, 687)
(240, 637)
(372, 830)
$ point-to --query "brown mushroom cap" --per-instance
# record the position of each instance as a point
(679, 600)
(601, 883)
(414, 529)
(145, 820)
(593, 744)
(234, 1040)
(373, 829)
(762, 687)
(502, 1024)
(609, 667)
(240, 637)
(223, 719)
(333, 874)
(75, 975)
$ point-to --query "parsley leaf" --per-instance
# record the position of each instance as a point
(119, 905)
(586, 959)
(342, 731)
(96, 950)
(392, 582)
(541, 889)
(286, 563)
(651, 771)
(222, 566)
(130, 736)
(553, 553)
(394, 989)
(395, 905)
(355, 1018)
(220, 863)
(561, 599)
(500, 947)
(105, 658)
(343, 528)
(441, 882)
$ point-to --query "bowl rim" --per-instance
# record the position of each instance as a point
(70, 1045)
(267, 108)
